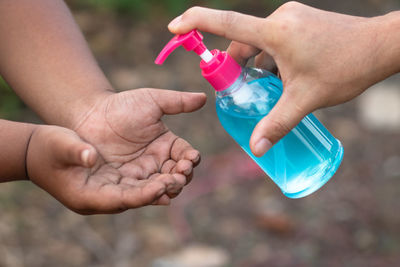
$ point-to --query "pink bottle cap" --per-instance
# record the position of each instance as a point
(222, 71)
(218, 68)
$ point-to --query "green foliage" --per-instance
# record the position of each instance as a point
(10, 104)
(143, 9)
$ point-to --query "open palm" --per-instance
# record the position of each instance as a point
(138, 160)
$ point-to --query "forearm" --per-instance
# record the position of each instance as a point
(14, 141)
(46, 60)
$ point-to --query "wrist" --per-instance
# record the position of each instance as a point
(33, 129)
(81, 108)
(387, 37)
(15, 138)
(394, 24)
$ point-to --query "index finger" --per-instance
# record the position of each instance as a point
(229, 24)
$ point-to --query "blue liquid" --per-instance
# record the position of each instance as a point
(301, 162)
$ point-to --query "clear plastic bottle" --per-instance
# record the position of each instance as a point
(301, 162)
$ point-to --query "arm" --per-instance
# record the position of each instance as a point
(28, 149)
(324, 58)
(45, 59)
(14, 142)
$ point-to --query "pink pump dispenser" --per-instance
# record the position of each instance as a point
(218, 68)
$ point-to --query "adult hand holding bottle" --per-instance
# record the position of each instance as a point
(323, 58)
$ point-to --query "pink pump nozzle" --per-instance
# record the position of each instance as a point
(218, 68)
(190, 41)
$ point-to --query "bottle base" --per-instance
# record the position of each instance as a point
(325, 178)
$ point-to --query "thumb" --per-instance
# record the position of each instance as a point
(285, 115)
(175, 102)
(231, 25)
(69, 149)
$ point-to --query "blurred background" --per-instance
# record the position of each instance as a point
(231, 214)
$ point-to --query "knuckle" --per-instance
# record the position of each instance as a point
(228, 19)
(191, 12)
(288, 13)
(286, 20)
(289, 6)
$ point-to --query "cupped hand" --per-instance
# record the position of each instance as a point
(323, 58)
(132, 160)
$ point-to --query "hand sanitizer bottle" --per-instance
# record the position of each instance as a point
(301, 162)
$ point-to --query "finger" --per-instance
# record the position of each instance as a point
(174, 102)
(174, 194)
(184, 167)
(181, 149)
(265, 61)
(164, 200)
(285, 115)
(197, 160)
(231, 25)
(150, 191)
(189, 178)
(176, 187)
(173, 182)
(242, 52)
(147, 193)
(193, 155)
(168, 166)
(69, 149)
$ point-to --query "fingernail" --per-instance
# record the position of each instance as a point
(262, 146)
(85, 156)
(198, 93)
(197, 159)
(175, 22)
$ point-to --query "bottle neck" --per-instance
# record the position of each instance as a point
(234, 87)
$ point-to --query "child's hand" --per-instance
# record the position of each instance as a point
(139, 155)
(72, 171)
